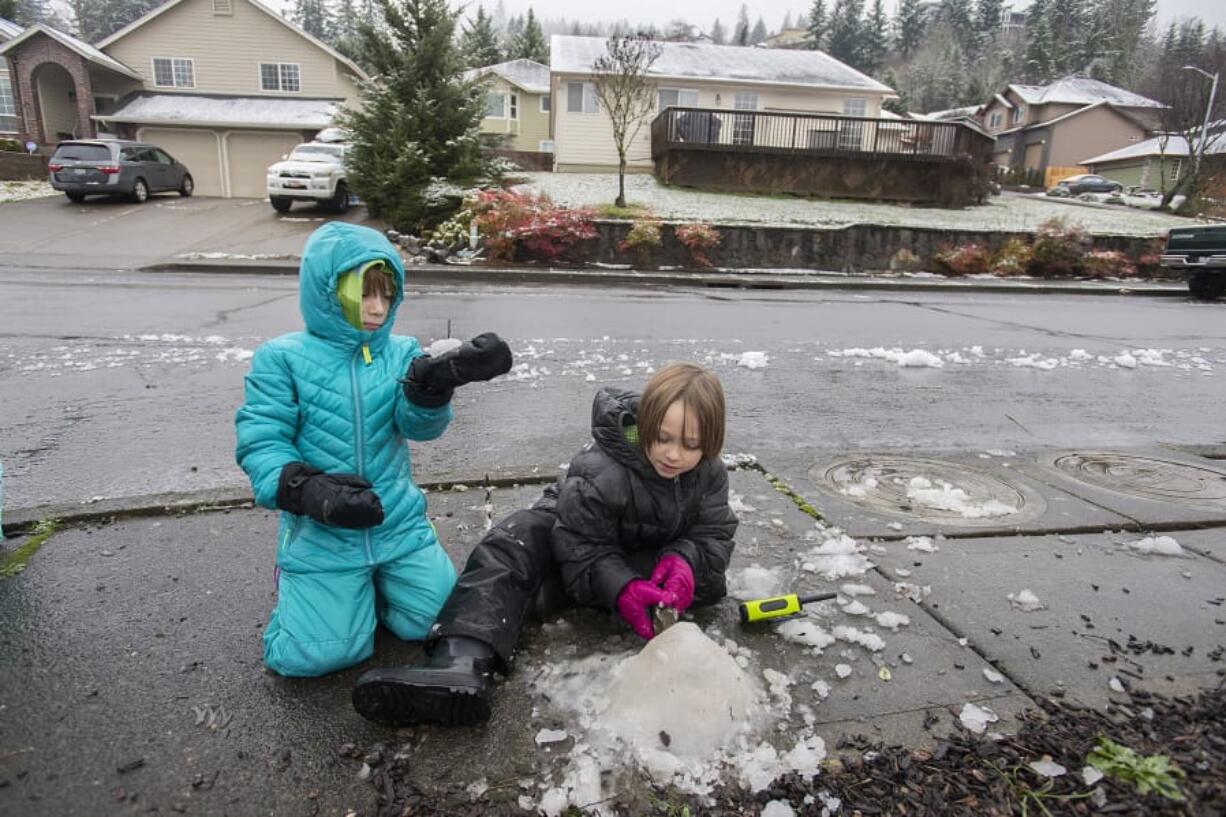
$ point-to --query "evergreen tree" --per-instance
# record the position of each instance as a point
(313, 17)
(759, 31)
(910, 23)
(876, 38)
(419, 122)
(741, 35)
(787, 22)
(345, 24)
(846, 42)
(959, 17)
(988, 15)
(1038, 58)
(8, 9)
(819, 25)
(1121, 26)
(718, 35)
(529, 43)
(95, 19)
(1067, 30)
(479, 42)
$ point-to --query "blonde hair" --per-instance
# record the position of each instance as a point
(698, 390)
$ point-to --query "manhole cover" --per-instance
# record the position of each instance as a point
(946, 492)
(1147, 477)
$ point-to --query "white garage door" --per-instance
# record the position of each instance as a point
(250, 154)
(198, 149)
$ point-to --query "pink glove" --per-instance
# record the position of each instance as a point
(674, 575)
(635, 602)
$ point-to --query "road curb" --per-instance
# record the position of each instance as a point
(443, 273)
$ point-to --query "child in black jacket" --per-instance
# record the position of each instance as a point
(639, 520)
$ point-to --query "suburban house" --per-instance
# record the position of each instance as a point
(8, 99)
(225, 86)
(517, 105)
(1050, 128)
(715, 78)
(1158, 162)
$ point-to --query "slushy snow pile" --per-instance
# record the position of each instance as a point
(701, 722)
(837, 557)
(1026, 601)
(976, 718)
(945, 497)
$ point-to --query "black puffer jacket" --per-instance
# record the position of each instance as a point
(614, 510)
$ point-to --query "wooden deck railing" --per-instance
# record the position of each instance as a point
(814, 134)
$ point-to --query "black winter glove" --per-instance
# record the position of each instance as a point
(431, 380)
(344, 500)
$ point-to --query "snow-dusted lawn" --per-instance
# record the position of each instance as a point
(20, 191)
(1006, 213)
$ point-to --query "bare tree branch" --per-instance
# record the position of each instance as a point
(625, 93)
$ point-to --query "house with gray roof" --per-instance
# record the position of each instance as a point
(517, 105)
(698, 75)
(1053, 127)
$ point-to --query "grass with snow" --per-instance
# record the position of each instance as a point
(23, 191)
(1007, 212)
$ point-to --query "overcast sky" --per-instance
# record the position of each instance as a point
(704, 12)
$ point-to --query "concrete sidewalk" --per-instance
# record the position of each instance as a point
(131, 664)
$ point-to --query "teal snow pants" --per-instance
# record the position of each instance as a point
(329, 600)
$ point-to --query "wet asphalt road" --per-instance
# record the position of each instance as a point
(118, 384)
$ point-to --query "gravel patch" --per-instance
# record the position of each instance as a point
(1007, 212)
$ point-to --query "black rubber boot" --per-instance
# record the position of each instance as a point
(451, 688)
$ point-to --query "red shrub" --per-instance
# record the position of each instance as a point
(507, 220)
(698, 238)
(965, 259)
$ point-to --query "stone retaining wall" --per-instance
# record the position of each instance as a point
(20, 166)
(855, 248)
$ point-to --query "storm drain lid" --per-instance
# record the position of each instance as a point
(929, 489)
(1147, 477)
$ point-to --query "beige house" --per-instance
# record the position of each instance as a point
(517, 105)
(698, 75)
(1053, 127)
(225, 86)
(229, 86)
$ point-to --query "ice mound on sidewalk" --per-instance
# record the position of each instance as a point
(683, 693)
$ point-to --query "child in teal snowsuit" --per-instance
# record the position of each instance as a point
(322, 435)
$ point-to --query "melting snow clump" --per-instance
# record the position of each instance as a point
(976, 718)
(753, 360)
(945, 497)
(803, 631)
(1162, 545)
(837, 557)
(1026, 601)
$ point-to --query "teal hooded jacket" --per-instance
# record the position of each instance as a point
(330, 397)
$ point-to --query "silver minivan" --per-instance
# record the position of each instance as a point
(114, 167)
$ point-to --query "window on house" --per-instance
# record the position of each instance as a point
(545, 146)
(581, 98)
(514, 106)
(676, 98)
(743, 126)
(174, 72)
(545, 103)
(994, 120)
(8, 105)
(223, 7)
(280, 76)
(855, 107)
(495, 105)
(1019, 113)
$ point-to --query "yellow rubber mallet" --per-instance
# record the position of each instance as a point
(778, 606)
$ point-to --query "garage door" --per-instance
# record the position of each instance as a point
(250, 154)
(198, 149)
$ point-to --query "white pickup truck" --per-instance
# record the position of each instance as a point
(313, 171)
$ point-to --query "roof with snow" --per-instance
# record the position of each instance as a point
(72, 43)
(953, 113)
(767, 66)
(233, 111)
(157, 11)
(1176, 146)
(1081, 91)
(530, 75)
(8, 29)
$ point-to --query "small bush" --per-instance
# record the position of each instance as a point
(1059, 249)
(510, 220)
(1107, 264)
(905, 261)
(643, 237)
(1148, 264)
(965, 259)
(12, 146)
(698, 239)
(1013, 258)
(453, 232)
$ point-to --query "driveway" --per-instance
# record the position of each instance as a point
(119, 235)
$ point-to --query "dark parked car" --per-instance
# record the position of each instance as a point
(113, 167)
(1084, 183)
(1199, 253)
